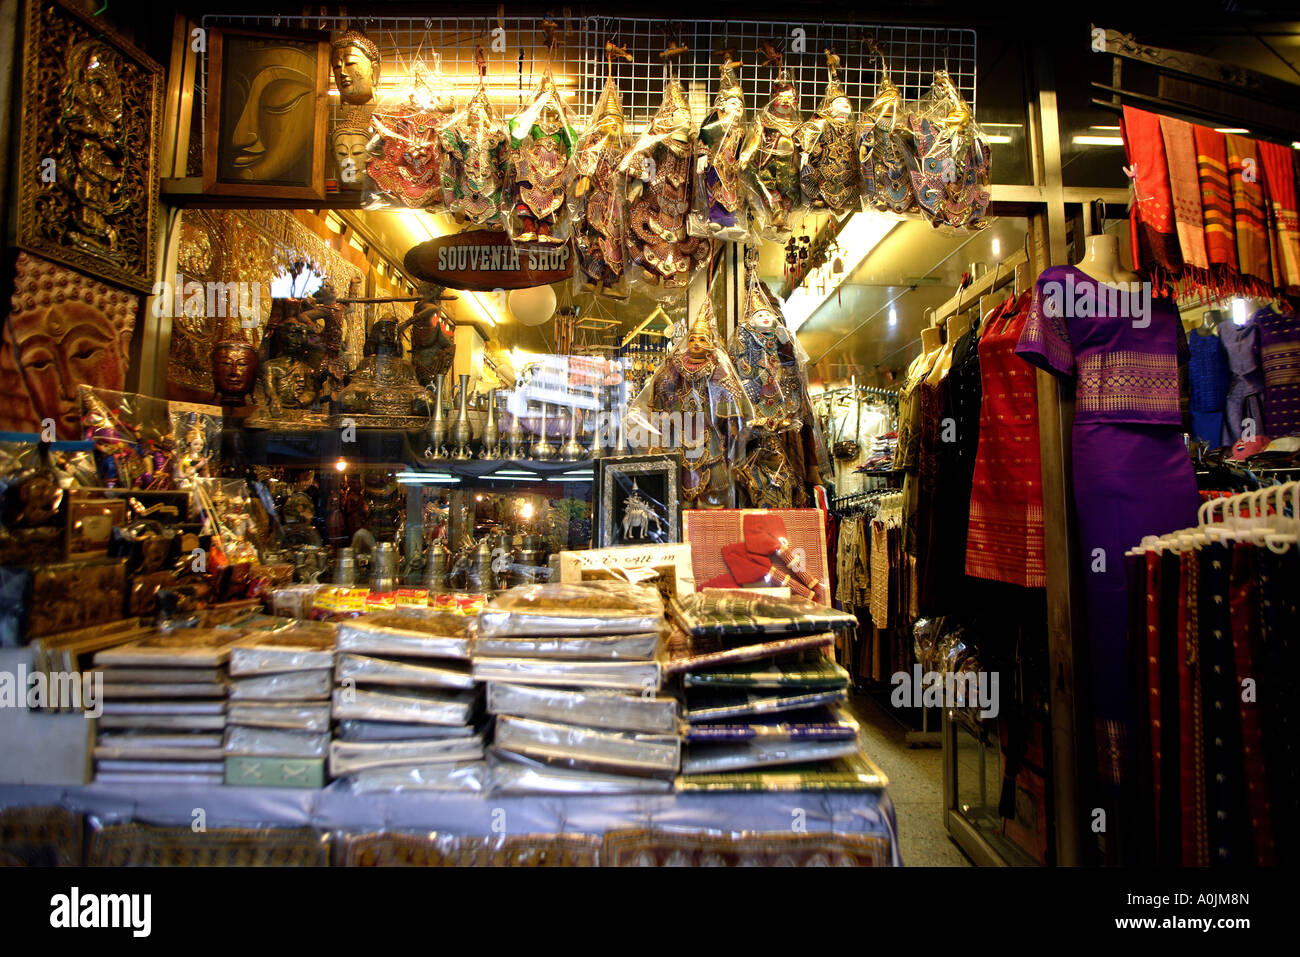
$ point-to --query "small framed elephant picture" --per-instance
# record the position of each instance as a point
(638, 501)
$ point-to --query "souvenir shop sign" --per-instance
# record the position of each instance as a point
(483, 260)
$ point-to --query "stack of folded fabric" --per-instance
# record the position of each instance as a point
(278, 720)
(164, 708)
(573, 679)
(880, 457)
(410, 713)
(761, 692)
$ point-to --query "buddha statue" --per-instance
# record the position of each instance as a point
(384, 383)
(291, 380)
(354, 58)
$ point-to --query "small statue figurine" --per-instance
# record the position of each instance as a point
(639, 513)
(695, 404)
(193, 462)
(719, 198)
(354, 58)
(658, 168)
(771, 159)
(828, 174)
(433, 335)
(384, 384)
(541, 142)
(475, 148)
(291, 377)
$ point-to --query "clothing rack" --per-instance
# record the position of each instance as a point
(853, 502)
(1265, 521)
(968, 297)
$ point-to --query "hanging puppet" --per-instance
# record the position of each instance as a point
(405, 168)
(541, 143)
(660, 252)
(828, 173)
(885, 151)
(596, 195)
(718, 200)
(476, 154)
(771, 157)
(952, 165)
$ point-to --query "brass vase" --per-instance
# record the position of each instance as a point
(542, 449)
(572, 450)
(516, 441)
(461, 433)
(438, 431)
(491, 438)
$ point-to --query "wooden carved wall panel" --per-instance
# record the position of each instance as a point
(91, 120)
(63, 330)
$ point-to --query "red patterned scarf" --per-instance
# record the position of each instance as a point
(1249, 215)
(1185, 187)
(1155, 240)
(1216, 207)
(1283, 220)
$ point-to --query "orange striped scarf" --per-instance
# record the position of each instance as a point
(1249, 215)
(1283, 221)
(1216, 205)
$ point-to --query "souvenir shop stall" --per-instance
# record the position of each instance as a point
(417, 446)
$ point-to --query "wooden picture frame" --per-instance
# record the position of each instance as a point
(657, 478)
(89, 123)
(274, 148)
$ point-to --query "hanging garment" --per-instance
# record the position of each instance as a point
(957, 469)
(1185, 192)
(1243, 612)
(933, 400)
(1154, 235)
(1278, 657)
(1216, 207)
(1209, 386)
(1279, 348)
(1283, 219)
(1132, 474)
(1249, 216)
(1244, 409)
(1005, 537)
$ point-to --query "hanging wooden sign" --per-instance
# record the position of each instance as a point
(483, 260)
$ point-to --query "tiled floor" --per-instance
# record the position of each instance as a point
(915, 784)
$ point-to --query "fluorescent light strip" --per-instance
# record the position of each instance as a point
(863, 232)
(997, 138)
(1097, 140)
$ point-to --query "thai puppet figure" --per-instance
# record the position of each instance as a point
(828, 172)
(885, 153)
(952, 167)
(770, 160)
(596, 198)
(772, 367)
(719, 208)
(433, 335)
(661, 254)
(542, 141)
(695, 406)
(405, 167)
(129, 452)
(292, 373)
(475, 161)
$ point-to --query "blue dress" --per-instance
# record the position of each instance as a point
(1208, 368)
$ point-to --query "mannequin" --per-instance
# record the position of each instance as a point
(931, 343)
(1101, 261)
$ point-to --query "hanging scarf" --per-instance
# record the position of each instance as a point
(1180, 151)
(1155, 241)
(1216, 207)
(1249, 215)
(1283, 220)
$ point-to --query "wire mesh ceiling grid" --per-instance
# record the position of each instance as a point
(515, 55)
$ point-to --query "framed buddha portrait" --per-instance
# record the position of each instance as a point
(264, 125)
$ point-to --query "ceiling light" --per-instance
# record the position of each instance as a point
(1085, 140)
(997, 138)
(997, 248)
(860, 235)
(893, 316)
(1230, 129)
(1239, 311)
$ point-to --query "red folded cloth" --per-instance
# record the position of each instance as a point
(751, 569)
(766, 535)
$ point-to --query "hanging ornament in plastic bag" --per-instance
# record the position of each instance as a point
(596, 198)
(769, 360)
(828, 174)
(695, 406)
(542, 140)
(953, 162)
(885, 152)
(771, 160)
(405, 169)
(661, 254)
(718, 201)
(476, 154)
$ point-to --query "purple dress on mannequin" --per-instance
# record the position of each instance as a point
(1246, 390)
(1132, 473)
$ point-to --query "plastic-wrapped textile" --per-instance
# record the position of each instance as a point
(275, 743)
(405, 166)
(661, 253)
(811, 671)
(715, 704)
(185, 647)
(718, 758)
(770, 161)
(717, 612)
(695, 405)
(466, 776)
(360, 730)
(349, 757)
(718, 200)
(135, 447)
(828, 149)
(814, 724)
(542, 141)
(697, 660)
(641, 676)
(856, 772)
(513, 774)
(445, 708)
(609, 752)
(593, 709)
(287, 716)
(573, 608)
(886, 154)
(953, 162)
(290, 686)
(304, 647)
(475, 162)
(409, 633)
(635, 647)
(418, 674)
(596, 193)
